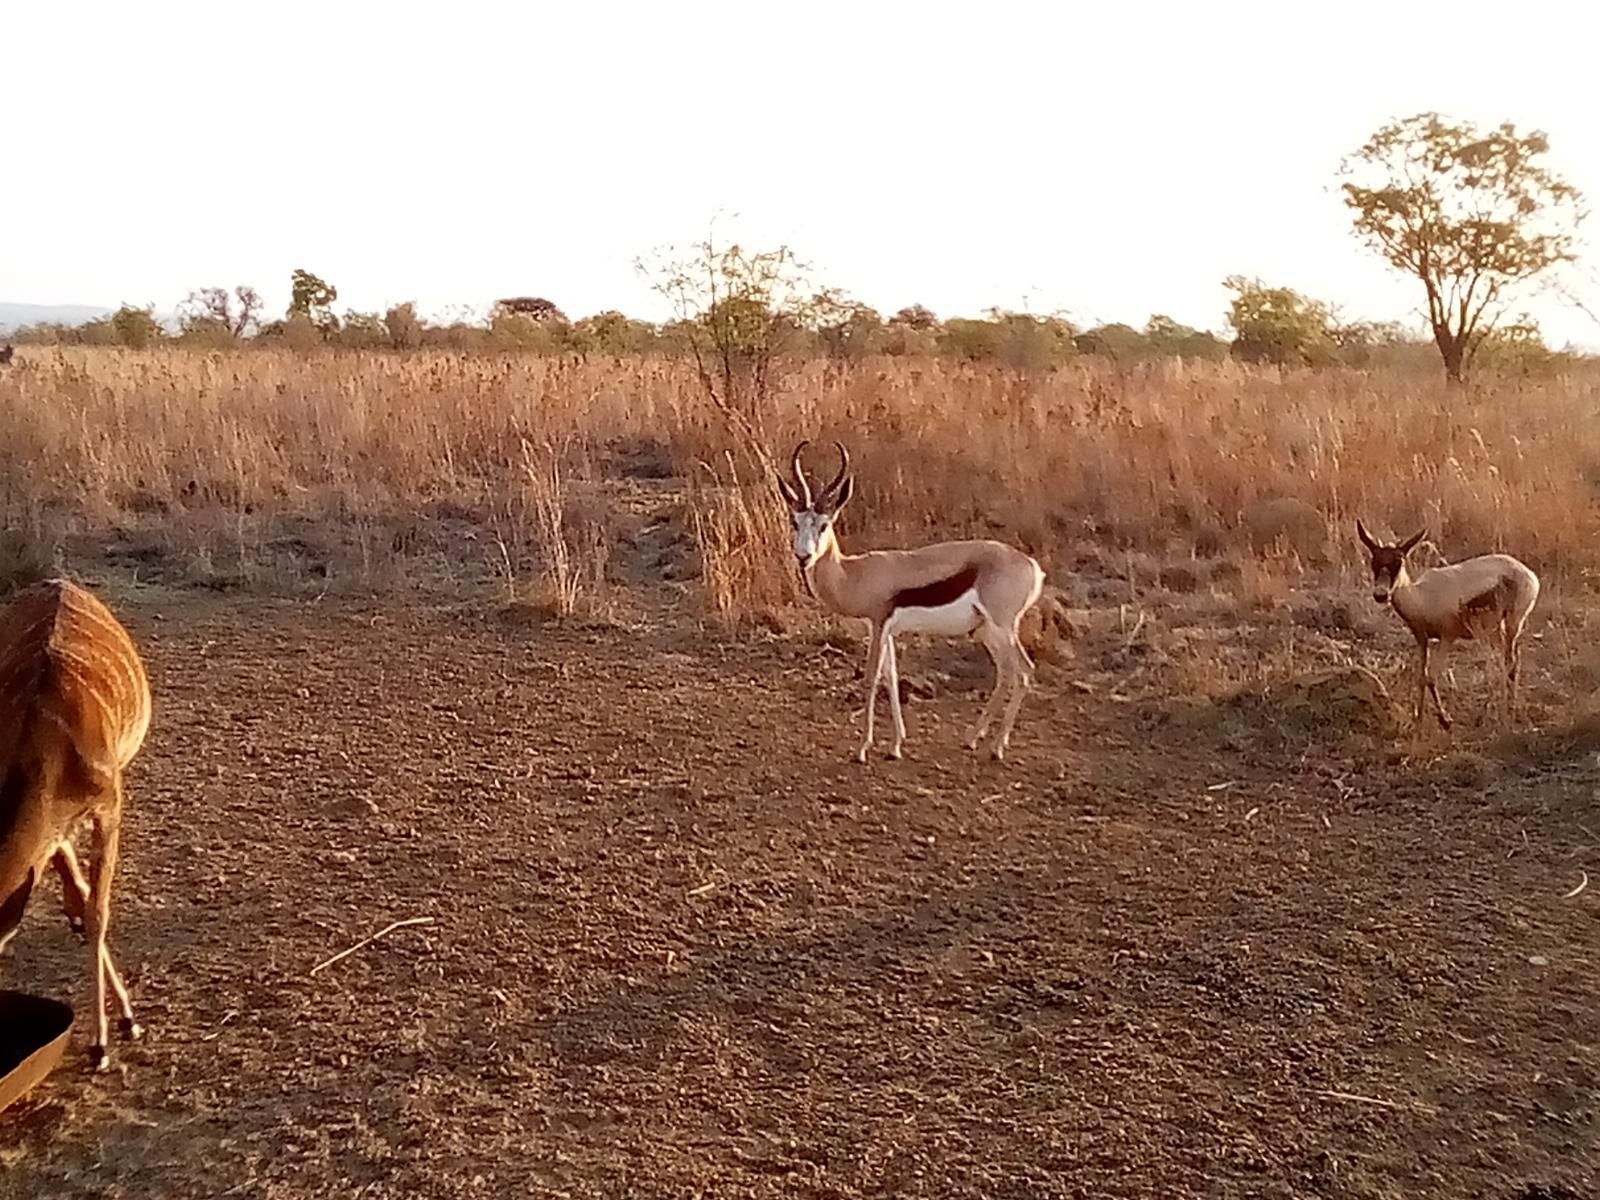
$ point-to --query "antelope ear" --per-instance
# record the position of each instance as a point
(1366, 538)
(842, 496)
(1405, 546)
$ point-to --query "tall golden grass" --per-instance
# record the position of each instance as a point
(210, 457)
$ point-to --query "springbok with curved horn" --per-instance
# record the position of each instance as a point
(74, 710)
(950, 589)
(1488, 596)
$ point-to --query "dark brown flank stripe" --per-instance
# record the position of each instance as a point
(1487, 603)
(936, 594)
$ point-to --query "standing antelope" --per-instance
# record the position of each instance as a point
(951, 589)
(1487, 596)
(74, 709)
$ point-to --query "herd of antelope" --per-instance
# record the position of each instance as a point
(75, 700)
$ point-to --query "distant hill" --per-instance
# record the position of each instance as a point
(14, 315)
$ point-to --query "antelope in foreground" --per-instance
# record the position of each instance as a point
(74, 709)
(951, 589)
(1485, 597)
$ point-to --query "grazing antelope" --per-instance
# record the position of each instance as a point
(1487, 596)
(6, 355)
(74, 709)
(951, 589)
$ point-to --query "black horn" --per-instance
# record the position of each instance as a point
(844, 469)
(800, 475)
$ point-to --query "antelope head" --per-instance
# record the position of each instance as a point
(812, 513)
(1388, 560)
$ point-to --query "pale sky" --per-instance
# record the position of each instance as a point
(1109, 160)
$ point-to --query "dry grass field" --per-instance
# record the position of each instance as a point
(514, 644)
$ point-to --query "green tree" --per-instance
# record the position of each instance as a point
(1173, 339)
(521, 332)
(1117, 341)
(1278, 325)
(740, 312)
(611, 332)
(136, 328)
(846, 329)
(1367, 343)
(1021, 341)
(1468, 213)
(970, 339)
(310, 297)
(1518, 345)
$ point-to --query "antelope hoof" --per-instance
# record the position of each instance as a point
(861, 754)
(1445, 722)
(894, 753)
(130, 1029)
(998, 753)
(99, 1060)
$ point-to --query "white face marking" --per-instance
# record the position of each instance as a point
(810, 533)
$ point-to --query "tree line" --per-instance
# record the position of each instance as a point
(1473, 216)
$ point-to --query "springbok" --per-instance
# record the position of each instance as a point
(950, 589)
(1487, 596)
(74, 710)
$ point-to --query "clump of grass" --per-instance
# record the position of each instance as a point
(22, 561)
(573, 541)
(552, 538)
(738, 530)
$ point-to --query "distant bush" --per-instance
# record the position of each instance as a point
(136, 328)
(612, 333)
(203, 333)
(403, 327)
(1021, 341)
(510, 330)
(850, 331)
(361, 331)
(1113, 341)
(1519, 348)
(1278, 325)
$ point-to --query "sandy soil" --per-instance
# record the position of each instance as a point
(683, 946)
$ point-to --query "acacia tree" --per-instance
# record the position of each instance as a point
(1471, 214)
(235, 313)
(916, 316)
(310, 298)
(739, 313)
(535, 308)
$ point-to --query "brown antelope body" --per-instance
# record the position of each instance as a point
(1488, 598)
(74, 710)
(975, 589)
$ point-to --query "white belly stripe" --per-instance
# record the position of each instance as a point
(961, 616)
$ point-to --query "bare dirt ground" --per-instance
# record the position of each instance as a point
(683, 946)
